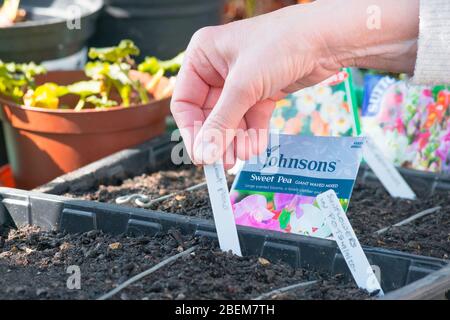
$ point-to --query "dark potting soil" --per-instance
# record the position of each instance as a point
(153, 185)
(429, 236)
(371, 209)
(34, 265)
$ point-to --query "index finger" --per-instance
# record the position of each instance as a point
(195, 81)
(187, 101)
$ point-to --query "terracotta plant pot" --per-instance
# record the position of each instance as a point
(3, 157)
(45, 143)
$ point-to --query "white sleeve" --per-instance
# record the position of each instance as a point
(433, 56)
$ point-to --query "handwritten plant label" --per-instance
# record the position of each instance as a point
(348, 243)
(277, 190)
(386, 172)
(221, 207)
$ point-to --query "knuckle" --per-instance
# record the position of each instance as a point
(203, 34)
(242, 90)
(219, 122)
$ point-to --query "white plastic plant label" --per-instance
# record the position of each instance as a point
(221, 207)
(348, 243)
(386, 172)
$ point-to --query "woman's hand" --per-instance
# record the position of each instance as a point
(233, 74)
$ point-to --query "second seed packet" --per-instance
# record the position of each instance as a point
(325, 109)
(410, 123)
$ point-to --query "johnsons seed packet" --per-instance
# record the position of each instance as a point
(277, 190)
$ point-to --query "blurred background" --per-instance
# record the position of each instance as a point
(411, 123)
(36, 30)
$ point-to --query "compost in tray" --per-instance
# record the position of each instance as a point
(33, 265)
(371, 209)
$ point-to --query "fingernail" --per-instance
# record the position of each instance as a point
(206, 152)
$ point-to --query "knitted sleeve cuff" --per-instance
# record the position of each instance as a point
(433, 56)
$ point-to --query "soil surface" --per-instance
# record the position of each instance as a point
(153, 185)
(34, 265)
(371, 209)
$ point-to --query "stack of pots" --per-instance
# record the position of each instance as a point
(55, 33)
(159, 28)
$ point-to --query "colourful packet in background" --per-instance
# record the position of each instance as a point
(322, 110)
(277, 190)
(411, 124)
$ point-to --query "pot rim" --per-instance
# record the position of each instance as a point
(94, 7)
(83, 111)
(6, 101)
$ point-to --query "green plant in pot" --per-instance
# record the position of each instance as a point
(58, 121)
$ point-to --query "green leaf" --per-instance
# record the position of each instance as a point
(101, 102)
(142, 93)
(45, 96)
(116, 72)
(152, 64)
(85, 88)
(29, 70)
(284, 218)
(112, 75)
(96, 69)
(124, 50)
(125, 92)
(15, 79)
(112, 69)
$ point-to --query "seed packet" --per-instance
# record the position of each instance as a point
(277, 190)
(322, 110)
(411, 124)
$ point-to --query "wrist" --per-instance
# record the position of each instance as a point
(378, 34)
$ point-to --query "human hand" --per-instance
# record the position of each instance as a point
(233, 74)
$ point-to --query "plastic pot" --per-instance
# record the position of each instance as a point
(422, 182)
(161, 28)
(43, 143)
(51, 30)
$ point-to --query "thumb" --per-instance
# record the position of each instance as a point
(219, 128)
